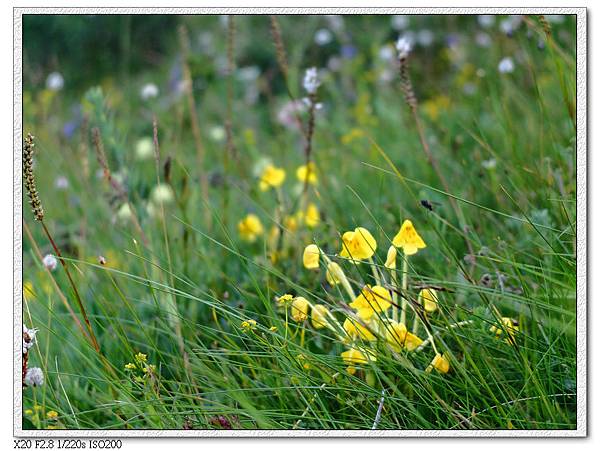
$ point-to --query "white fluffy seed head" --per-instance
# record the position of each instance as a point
(403, 46)
(311, 80)
(149, 91)
(50, 262)
(34, 377)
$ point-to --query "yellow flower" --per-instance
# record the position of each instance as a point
(271, 177)
(371, 300)
(358, 245)
(408, 239)
(307, 173)
(290, 223)
(319, 316)
(356, 330)
(390, 262)
(310, 257)
(511, 326)
(141, 358)
(334, 273)
(273, 329)
(28, 412)
(248, 325)
(52, 415)
(440, 363)
(428, 298)
(250, 228)
(353, 355)
(286, 299)
(130, 366)
(312, 217)
(300, 309)
(396, 335)
(412, 342)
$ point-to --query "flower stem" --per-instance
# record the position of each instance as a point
(404, 288)
(394, 296)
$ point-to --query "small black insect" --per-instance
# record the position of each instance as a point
(426, 204)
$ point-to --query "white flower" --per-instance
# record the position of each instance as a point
(403, 46)
(217, 133)
(311, 80)
(34, 377)
(386, 53)
(61, 182)
(486, 20)
(28, 338)
(55, 81)
(144, 148)
(49, 261)
(162, 193)
(323, 37)
(425, 37)
(489, 164)
(149, 91)
(399, 22)
(124, 213)
(506, 65)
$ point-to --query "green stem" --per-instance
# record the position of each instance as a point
(404, 288)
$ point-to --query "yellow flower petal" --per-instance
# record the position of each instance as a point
(358, 245)
(372, 300)
(355, 356)
(309, 172)
(300, 309)
(310, 257)
(408, 239)
(356, 330)
(412, 342)
(313, 216)
(250, 228)
(272, 177)
(396, 335)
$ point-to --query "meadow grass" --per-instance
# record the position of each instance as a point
(169, 284)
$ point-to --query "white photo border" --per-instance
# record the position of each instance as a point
(582, 318)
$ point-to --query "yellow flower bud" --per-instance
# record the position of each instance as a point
(319, 316)
(428, 299)
(310, 257)
(440, 363)
(300, 309)
(390, 262)
(334, 274)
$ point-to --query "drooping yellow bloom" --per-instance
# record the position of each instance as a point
(307, 173)
(412, 342)
(248, 325)
(286, 299)
(356, 330)
(300, 309)
(319, 316)
(52, 415)
(355, 356)
(428, 298)
(511, 326)
(250, 228)
(272, 177)
(396, 335)
(440, 363)
(334, 273)
(371, 300)
(358, 245)
(312, 216)
(310, 257)
(408, 239)
(390, 261)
